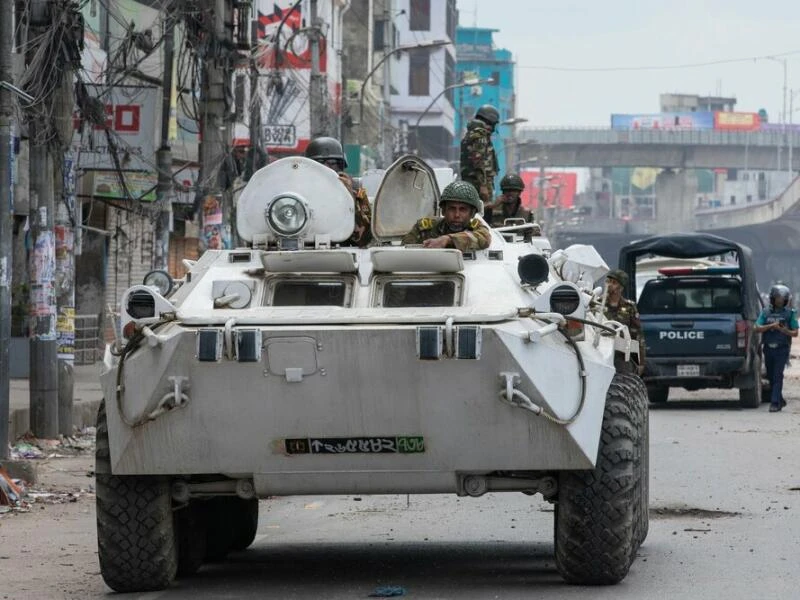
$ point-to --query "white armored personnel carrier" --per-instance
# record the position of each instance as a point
(297, 365)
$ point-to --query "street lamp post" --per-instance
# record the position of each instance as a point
(783, 61)
(429, 44)
(460, 84)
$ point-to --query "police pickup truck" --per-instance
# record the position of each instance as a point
(697, 321)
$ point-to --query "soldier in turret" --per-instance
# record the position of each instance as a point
(458, 227)
(478, 158)
(328, 151)
(507, 205)
(622, 310)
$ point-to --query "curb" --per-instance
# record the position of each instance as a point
(84, 414)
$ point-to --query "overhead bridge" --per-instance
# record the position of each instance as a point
(668, 149)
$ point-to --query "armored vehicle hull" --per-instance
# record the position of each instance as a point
(324, 369)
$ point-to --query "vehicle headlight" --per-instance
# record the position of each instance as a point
(287, 215)
(565, 300)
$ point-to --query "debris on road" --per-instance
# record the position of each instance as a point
(388, 591)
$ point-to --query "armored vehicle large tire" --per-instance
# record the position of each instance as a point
(190, 523)
(751, 397)
(642, 459)
(245, 522)
(135, 535)
(598, 513)
(232, 524)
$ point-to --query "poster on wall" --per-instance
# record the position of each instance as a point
(216, 236)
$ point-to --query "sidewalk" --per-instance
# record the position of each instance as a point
(85, 403)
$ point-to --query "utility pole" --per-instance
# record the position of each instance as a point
(43, 342)
(64, 233)
(315, 90)
(6, 216)
(214, 127)
(164, 154)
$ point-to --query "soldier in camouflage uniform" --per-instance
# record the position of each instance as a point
(328, 151)
(507, 205)
(458, 228)
(619, 308)
(478, 159)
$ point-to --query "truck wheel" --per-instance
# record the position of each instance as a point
(135, 535)
(190, 524)
(598, 512)
(658, 394)
(751, 397)
(245, 522)
(219, 528)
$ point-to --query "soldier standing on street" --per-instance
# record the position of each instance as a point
(622, 310)
(507, 205)
(478, 159)
(328, 151)
(458, 228)
(777, 325)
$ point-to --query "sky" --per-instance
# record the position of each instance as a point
(549, 37)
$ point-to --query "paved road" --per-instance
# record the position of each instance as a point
(725, 523)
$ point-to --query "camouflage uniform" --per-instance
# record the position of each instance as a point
(362, 233)
(478, 159)
(475, 237)
(626, 313)
(508, 210)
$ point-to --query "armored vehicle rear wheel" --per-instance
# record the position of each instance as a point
(135, 534)
(658, 394)
(245, 522)
(751, 397)
(190, 523)
(599, 513)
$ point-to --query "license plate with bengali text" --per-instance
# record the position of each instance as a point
(688, 370)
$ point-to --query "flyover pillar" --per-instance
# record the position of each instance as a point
(676, 194)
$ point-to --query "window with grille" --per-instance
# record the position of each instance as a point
(420, 15)
(419, 68)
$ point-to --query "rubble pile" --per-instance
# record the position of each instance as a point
(17, 495)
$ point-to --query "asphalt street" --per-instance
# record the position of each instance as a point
(725, 523)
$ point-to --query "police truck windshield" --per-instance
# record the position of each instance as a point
(692, 295)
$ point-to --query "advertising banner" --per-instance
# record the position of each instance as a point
(284, 53)
(558, 188)
(664, 121)
(737, 121)
(130, 120)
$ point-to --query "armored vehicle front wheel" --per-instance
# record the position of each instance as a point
(600, 518)
(135, 534)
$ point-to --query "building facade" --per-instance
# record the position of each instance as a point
(422, 97)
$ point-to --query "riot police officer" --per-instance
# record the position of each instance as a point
(777, 325)
(457, 227)
(328, 151)
(507, 205)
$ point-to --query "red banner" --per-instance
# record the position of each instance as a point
(558, 188)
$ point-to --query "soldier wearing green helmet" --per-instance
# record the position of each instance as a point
(457, 227)
(507, 205)
(622, 310)
(478, 159)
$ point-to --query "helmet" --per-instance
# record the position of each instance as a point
(488, 113)
(462, 191)
(619, 276)
(512, 181)
(326, 148)
(779, 290)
